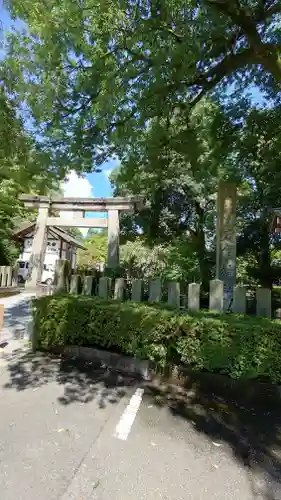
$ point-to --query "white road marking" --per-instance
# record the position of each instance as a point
(122, 429)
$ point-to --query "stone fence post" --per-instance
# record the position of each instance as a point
(15, 271)
(62, 276)
(3, 277)
(137, 287)
(216, 296)
(9, 272)
(155, 291)
(239, 300)
(104, 287)
(87, 285)
(174, 294)
(193, 296)
(119, 286)
(7, 277)
(263, 296)
(74, 283)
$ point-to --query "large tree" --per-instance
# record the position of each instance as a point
(176, 168)
(259, 157)
(22, 168)
(95, 72)
(178, 179)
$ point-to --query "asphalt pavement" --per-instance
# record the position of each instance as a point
(17, 316)
(70, 430)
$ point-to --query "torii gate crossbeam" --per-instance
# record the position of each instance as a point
(79, 206)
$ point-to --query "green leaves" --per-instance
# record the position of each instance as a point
(238, 346)
(174, 261)
(95, 253)
(23, 168)
(95, 74)
(176, 167)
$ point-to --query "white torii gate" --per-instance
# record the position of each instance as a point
(45, 204)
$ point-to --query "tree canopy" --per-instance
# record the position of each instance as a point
(95, 253)
(176, 170)
(178, 180)
(21, 170)
(93, 73)
(163, 85)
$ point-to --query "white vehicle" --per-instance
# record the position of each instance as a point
(47, 275)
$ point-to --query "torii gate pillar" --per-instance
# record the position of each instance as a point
(113, 239)
(113, 206)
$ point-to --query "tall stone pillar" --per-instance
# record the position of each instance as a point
(113, 239)
(226, 239)
(37, 257)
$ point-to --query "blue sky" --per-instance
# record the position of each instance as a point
(95, 184)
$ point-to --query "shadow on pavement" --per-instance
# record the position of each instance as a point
(17, 313)
(246, 417)
(82, 381)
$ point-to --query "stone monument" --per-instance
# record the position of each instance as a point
(226, 239)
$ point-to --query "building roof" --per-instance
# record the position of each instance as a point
(25, 228)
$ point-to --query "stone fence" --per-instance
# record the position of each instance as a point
(8, 277)
(117, 289)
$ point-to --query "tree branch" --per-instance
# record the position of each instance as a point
(271, 11)
(214, 75)
(268, 56)
(179, 38)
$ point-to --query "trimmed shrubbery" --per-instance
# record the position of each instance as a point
(238, 346)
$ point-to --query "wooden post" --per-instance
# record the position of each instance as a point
(174, 294)
(194, 296)
(37, 257)
(113, 239)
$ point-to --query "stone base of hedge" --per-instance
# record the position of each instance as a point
(246, 392)
(124, 364)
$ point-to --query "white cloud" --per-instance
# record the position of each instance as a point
(78, 187)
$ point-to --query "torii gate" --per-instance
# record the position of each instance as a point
(79, 206)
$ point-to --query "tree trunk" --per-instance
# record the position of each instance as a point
(263, 255)
(265, 258)
(199, 245)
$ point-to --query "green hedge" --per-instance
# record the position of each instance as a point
(239, 346)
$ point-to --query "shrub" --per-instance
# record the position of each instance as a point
(238, 346)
